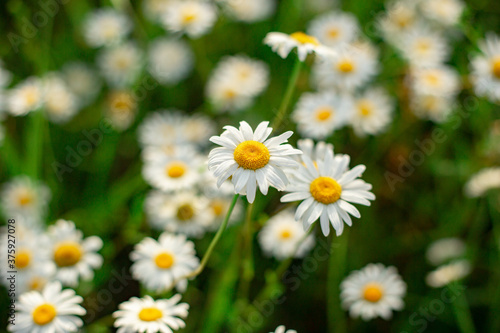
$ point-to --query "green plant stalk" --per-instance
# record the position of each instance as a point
(292, 83)
(336, 269)
(462, 313)
(247, 264)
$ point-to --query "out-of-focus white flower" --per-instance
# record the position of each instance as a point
(249, 11)
(318, 114)
(195, 18)
(27, 96)
(283, 44)
(441, 81)
(170, 60)
(374, 291)
(372, 112)
(399, 17)
(154, 9)
(445, 274)
(83, 81)
(445, 249)
(105, 27)
(482, 182)
(432, 107)
(444, 12)
(121, 65)
(60, 104)
(282, 329)
(281, 237)
(217, 210)
(5, 76)
(121, 109)
(335, 29)
(486, 68)
(423, 47)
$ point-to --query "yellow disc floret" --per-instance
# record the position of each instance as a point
(164, 260)
(365, 108)
(495, 68)
(325, 190)
(345, 66)
(23, 259)
(185, 212)
(44, 314)
(303, 38)
(285, 234)
(373, 292)
(176, 169)
(150, 314)
(67, 254)
(323, 114)
(251, 155)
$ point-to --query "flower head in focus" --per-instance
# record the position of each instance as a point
(283, 44)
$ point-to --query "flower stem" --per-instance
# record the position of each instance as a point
(338, 252)
(247, 265)
(215, 240)
(462, 313)
(292, 83)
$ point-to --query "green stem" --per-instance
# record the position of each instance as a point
(247, 269)
(292, 83)
(215, 240)
(338, 252)
(462, 313)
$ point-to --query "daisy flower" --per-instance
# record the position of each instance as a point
(105, 27)
(318, 115)
(282, 329)
(176, 172)
(441, 80)
(181, 212)
(348, 69)
(334, 29)
(60, 104)
(400, 17)
(52, 310)
(251, 159)
(162, 128)
(170, 60)
(27, 96)
(327, 190)
(372, 112)
(283, 44)
(25, 197)
(423, 47)
(121, 65)
(432, 107)
(374, 291)
(445, 249)
(147, 315)
(198, 129)
(74, 256)
(486, 68)
(249, 11)
(482, 182)
(444, 12)
(195, 18)
(121, 109)
(83, 81)
(154, 9)
(446, 274)
(281, 237)
(158, 264)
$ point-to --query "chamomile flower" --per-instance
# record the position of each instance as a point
(432, 107)
(334, 29)
(121, 65)
(162, 128)
(27, 96)
(483, 181)
(283, 237)
(251, 159)
(444, 12)
(105, 27)
(282, 329)
(83, 81)
(147, 315)
(198, 129)
(181, 212)
(249, 11)
(283, 44)
(154, 9)
(441, 80)
(486, 68)
(348, 69)
(217, 210)
(400, 17)
(52, 310)
(318, 115)
(60, 104)
(73, 255)
(423, 47)
(372, 112)
(327, 189)
(195, 18)
(25, 197)
(226, 96)
(445, 249)
(159, 264)
(121, 109)
(446, 274)
(170, 60)
(374, 291)
(175, 172)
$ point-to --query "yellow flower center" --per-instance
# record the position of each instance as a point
(323, 114)
(176, 169)
(188, 17)
(31, 96)
(37, 283)
(164, 260)
(229, 94)
(365, 108)
(285, 234)
(373, 292)
(150, 314)
(496, 68)
(218, 208)
(333, 33)
(325, 190)
(185, 212)
(121, 103)
(67, 254)
(25, 199)
(23, 259)
(251, 155)
(432, 79)
(423, 46)
(44, 314)
(303, 38)
(345, 66)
